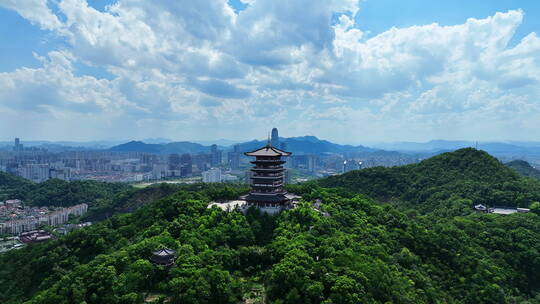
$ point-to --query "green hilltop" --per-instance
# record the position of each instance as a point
(56, 192)
(524, 168)
(468, 174)
(378, 235)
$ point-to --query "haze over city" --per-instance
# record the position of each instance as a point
(346, 71)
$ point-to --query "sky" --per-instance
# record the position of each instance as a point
(343, 70)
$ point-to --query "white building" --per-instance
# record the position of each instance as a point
(55, 218)
(35, 172)
(228, 178)
(212, 176)
(63, 173)
(159, 171)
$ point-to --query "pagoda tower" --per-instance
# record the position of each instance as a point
(267, 178)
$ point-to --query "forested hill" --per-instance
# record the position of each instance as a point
(465, 176)
(355, 251)
(336, 246)
(55, 192)
(524, 168)
(12, 186)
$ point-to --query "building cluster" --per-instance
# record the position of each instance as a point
(16, 218)
(215, 165)
(216, 175)
(40, 165)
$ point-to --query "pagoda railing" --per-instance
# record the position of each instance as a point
(267, 192)
(267, 160)
(268, 168)
(268, 175)
(268, 185)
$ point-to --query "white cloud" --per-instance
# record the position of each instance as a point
(55, 85)
(35, 11)
(197, 63)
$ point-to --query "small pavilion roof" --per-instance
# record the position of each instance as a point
(164, 252)
(268, 150)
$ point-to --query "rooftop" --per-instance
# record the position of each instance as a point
(164, 252)
(268, 150)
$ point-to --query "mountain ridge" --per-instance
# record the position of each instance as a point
(303, 144)
(467, 174)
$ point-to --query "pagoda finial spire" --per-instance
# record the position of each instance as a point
(268, 142)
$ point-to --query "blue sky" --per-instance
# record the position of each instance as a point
(343, 70)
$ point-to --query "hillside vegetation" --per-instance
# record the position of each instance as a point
(104, 199)
(12, 186)
(56, 192)
(352, 249)
(465, 176)
(524, 168)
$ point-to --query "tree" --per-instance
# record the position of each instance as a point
(535, 207)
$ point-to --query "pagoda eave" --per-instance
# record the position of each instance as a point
(267, 161)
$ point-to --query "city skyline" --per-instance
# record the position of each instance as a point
(349, 71)
(227, 142)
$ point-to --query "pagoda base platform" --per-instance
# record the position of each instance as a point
(243, 204)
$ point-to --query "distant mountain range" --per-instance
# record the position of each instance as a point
(298, 145)
(219, 142)
(173, 147)
(57, 146)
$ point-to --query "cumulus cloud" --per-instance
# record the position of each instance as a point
(56, 86)
(201, 64)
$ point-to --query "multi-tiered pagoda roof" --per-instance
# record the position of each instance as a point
(267, 177)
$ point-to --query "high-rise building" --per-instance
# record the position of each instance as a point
(234, 158)
(300, 161)
(275, 138)
(159, 171)
(17, 145)
(186, 165)
(212, 176)
(60, 173)
(215, 156)
(202, 161)
(349, 165)
(174, 161)
(287, 177)
(311, 163)
(35, 172)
